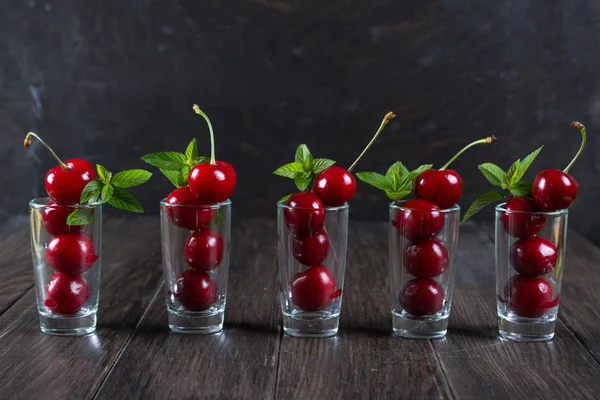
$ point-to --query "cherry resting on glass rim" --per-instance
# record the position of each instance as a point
(335, 186)
(313, 289)
(304, 214)
(66, 294)
(195, 290)
(519, 219)
(533, 256)
(54, 218)
(528, 297)
(204, 249)
(418, 220)
(192, 217)
(426, 259)
(422, 297)
(71, 253)
(311, 250)
(212, 183)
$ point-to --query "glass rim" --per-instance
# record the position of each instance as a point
(214, 206)
(397, 205)
(40, 203)
(281, 204)
(500, 208)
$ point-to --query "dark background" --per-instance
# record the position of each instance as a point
(113, 80)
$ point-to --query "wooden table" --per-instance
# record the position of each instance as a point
(134, 355)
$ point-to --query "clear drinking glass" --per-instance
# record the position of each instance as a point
(422, 250)
(195, 249)
(66, 267)
(530, 252)
(312, 263)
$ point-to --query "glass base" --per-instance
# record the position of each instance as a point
(527, 329)
(203, 323)
(73, 325)
(429, 327)
(311, 324)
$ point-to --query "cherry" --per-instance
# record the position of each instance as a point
(443, 187)
(533, 256)
(304, 214)
(418, 220)
(195, 290)
(204, 249)
(520, 219)
(313, 289)
(313, 249)
(71, 253)
(529, 297)
(191, 215)
(422, 297)
(54, 218)
(66, 294)
(213, 182)
(427, 259)
(554, 189)
(335, 186)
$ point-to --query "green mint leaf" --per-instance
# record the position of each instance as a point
(521, 189)
(481, 202)
(308, 163)
(321, 164)
(523, 166)
(185, 171)
(301, 153)
(200, 160)
(511, 172)
(130, 178)
(493, 173)
(303, 182)
(176, 177)
(82, 216)
(170, 160)
(397, 195)
(285, 198)
(416, 172)
(103, 175)
(191, 152)
(398, 169)
(125, 201)
(292, 170)
(107, 192)
(93, 188)
(374, 179)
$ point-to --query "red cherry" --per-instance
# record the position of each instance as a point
(419, 220)
(195, 290)
(314, 289)
(212, 183)
(65, 186)
(335, 186)
(71, 253)
(440, 187)
(554, 190)
(427, 259)
(311, 250)
(204, 250)
(520, 219)
(422, 297)
(66, 294)
(54, 218)
(192, 216)
(304, 214)
(533, 256)
(529, 297)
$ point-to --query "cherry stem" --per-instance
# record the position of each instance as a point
(578, 125)
(388, 117)
(28, 141)
(487, 140)
(212, 135)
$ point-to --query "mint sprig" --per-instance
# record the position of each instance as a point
(397, 183)
(109, 188)
(510, 181)
(304, 168)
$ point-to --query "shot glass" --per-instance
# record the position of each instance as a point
(422, 249)
(66, 267)
(195, 250)
(312, 262)
(530, 252)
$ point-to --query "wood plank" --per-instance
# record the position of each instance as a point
(239, 362)
(364, 360)
(32, 364)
